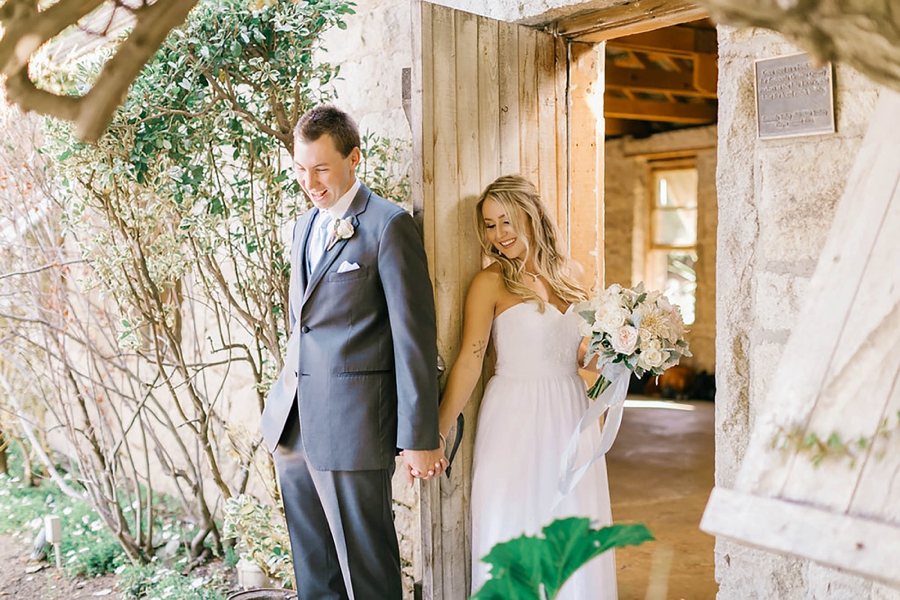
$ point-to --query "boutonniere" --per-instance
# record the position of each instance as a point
(341, 229)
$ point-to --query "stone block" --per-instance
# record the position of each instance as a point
(779, 299)
(798, 193)
(750, 574)
(767, 349)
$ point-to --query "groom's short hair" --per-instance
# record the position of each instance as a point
(329, 119)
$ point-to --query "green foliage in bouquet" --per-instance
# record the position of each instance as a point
(535, 568)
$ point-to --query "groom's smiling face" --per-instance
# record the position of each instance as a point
(323, 173)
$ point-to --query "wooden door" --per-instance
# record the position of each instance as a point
(488, 99)
(820, 478)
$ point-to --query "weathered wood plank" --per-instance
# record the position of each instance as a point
(446, 267)
(561, 115)
(863, 546)
(508, 80)
(422, 190)
(490, 113)
(877, 493)
(586, 165)
(545, 67)
(856, 390)
(468, 97)
(628, 19)
(422, 182)
(529, 119)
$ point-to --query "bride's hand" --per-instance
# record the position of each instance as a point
(592, 365)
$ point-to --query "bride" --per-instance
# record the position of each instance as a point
(533, 402)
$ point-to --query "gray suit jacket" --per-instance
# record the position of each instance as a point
(362, 355)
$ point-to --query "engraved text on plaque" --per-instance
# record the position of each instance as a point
(793, 97)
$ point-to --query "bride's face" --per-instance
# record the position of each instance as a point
(500, 232)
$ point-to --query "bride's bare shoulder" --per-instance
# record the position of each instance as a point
(488, 281)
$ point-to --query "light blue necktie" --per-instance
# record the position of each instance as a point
(318, 241)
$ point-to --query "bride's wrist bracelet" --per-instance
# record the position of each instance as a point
(443, 439)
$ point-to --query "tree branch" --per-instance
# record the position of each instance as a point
(863, 34)
(39, 269)
(27, 30)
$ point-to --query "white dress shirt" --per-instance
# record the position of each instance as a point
(321, 230)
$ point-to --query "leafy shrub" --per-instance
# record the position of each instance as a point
(154, 581)
(261, 538)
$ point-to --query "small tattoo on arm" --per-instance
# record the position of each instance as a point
(479, 347)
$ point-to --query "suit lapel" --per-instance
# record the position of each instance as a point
(357, 207)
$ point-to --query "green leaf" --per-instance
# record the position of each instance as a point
(527, 567)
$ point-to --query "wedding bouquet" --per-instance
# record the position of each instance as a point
(639, 329)
(630, 331)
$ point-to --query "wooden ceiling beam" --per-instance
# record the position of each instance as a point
(619, 127)
(693, 113)
(685, 41)
(655, 81)
(628, 19)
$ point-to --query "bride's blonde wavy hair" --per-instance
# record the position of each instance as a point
(523, 207)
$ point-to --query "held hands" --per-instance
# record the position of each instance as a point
(424, 464)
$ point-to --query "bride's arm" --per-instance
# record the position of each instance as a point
(592, 364)
(481, 301)
(579, 273)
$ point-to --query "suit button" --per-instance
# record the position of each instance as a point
(304, 329)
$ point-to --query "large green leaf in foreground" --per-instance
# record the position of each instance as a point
(535, 568)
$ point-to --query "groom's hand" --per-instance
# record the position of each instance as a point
(424, 464)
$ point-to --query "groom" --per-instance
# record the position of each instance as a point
(360, 374)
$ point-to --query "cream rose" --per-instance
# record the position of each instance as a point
(612, 320)
(343, 229)
(624, 340)
(652, 358)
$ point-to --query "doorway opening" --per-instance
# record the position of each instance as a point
(660, 213)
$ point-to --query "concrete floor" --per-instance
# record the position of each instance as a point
(661, 473)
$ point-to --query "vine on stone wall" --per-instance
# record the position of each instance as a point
(797, 440)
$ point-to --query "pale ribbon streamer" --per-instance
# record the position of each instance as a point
(613, 400)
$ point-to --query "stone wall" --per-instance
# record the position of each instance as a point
(776, 205)
(372, 53)
(627, 204)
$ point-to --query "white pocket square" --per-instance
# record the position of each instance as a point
(346, 267)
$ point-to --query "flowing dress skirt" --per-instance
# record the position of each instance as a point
(523, 427)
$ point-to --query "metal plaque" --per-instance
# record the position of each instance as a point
(793, 97)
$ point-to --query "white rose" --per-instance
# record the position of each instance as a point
(650, 344)
(343, 229)
(652, 358)
(624, 340)
(613, 320)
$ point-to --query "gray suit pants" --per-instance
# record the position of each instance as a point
(341, 526)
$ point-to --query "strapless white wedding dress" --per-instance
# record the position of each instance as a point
(530, 408)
